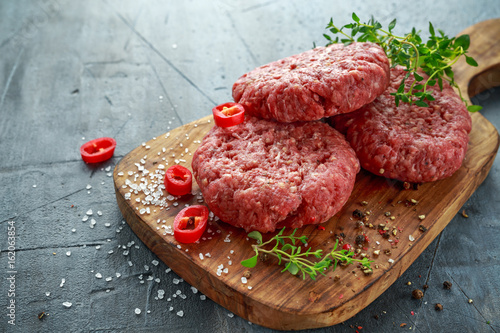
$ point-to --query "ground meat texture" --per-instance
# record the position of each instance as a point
(409, 143)
(263, 175)
(321, 82)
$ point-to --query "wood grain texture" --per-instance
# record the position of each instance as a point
(324, 302)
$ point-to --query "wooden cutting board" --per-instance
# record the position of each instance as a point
(280, 300)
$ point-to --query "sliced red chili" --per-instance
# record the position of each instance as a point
(178, 180)
(190, 223)
(228, 114)
(98, 150)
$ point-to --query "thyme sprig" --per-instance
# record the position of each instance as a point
(289, 251)
(434, 57)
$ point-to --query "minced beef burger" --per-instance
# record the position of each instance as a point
(318, 83)
(409, 143)
(263, 175)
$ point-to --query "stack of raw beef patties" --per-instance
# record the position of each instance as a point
(284, 166)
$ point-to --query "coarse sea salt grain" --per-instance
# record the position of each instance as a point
(180, 313)
(67, 304)
(137, 311)
(98, 275)
(63, 281)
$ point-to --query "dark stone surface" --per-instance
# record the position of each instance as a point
(72, 71)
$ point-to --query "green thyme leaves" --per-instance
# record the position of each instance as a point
(291, 253)
(435, 57)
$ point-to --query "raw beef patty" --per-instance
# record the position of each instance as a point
(409, 143)
(318, 83)
(263, 175)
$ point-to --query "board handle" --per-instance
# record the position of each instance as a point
(485, 49)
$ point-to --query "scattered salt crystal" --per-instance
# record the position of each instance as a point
(180, 313)
(97, 247)
(68, 253)
(137, 311)
(62, 282)
(109, 278)
(47, 293)
(175, 281)
(89, 212)
(155, 262)
(244, 280)
(99, 213)
(85, 218)
(203, 297)
(98, 275)
(118, 275)
(146, 267)
(130, 263)
(230, 315)
(201, 256)
(107, 224)
(34, 186)
(92, 223)
(67, 304)
(73, 230)
(391, 261)
(194, 290)
(411, 238)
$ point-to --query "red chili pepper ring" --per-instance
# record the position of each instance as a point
(228, 114)
(98, 150)
(178, 180)
(190, 223)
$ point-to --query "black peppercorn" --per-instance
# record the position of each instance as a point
(447, 285)
(417, 294)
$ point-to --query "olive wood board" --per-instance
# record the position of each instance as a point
(280, 300)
